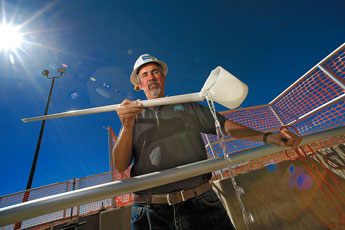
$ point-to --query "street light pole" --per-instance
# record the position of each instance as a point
(18, 225)
(34, 162)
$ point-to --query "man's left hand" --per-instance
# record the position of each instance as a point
(284, 138)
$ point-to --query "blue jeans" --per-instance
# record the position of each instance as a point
(203, 212)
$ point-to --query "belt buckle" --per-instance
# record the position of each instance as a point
(175, 197)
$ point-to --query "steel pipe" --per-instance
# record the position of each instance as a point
(307, 73)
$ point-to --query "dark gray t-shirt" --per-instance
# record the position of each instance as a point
(168, 136)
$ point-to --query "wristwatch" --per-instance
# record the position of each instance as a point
(264, 138)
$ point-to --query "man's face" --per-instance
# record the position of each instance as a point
(152, 81)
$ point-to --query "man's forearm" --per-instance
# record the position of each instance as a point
(239, 131)
(122, 152)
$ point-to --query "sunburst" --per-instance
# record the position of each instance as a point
(13, 36)
(10, 37)
(18, 41)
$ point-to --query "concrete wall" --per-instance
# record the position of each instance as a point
(287, 197)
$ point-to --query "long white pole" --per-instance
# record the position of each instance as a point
(146, 103)
(30, 209)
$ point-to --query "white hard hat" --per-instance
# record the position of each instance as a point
(142, 60)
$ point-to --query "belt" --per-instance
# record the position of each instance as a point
(174, 197)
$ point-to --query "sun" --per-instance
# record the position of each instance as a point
(10, 37)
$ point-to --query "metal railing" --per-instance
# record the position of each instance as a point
(18, 212)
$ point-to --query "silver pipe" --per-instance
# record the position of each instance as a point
(331, 76)
(335, 100)
(307, 73)
(276, 114)
(30, 209)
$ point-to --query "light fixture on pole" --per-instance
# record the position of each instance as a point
(34, 162)
(33, 167)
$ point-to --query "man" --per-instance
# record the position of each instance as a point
(167, 136)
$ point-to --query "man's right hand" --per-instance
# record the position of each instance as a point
(127, 112)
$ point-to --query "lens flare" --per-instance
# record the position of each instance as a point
(272, 167)
(11, 59)
(103, 93)
(73, 95)
(299, 179)
(105, 85)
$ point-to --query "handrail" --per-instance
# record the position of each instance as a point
(30, 209)
(342, 46)
(327, 104)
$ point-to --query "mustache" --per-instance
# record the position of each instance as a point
(153, 83)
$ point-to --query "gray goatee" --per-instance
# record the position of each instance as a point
(156, 90)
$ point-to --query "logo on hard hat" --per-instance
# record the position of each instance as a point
(146, 57)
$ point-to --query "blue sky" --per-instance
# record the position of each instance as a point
(266, 44)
